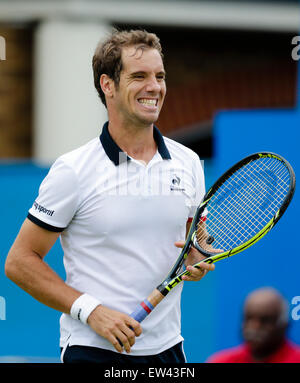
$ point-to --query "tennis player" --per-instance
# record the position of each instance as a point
(119, 204)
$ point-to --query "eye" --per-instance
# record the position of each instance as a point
(138, 76)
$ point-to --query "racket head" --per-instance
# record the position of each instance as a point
(243, 205)
(264, 176)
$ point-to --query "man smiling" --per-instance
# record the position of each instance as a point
(134, 103)
(118, 215)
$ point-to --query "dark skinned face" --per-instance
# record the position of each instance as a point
(263, 330)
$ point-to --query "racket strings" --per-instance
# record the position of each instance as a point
(261, 186)
(243, 215)
(267, 182)
(244, 204)
(219, 223)
(252, 201)
(276, 200)
(283, 190)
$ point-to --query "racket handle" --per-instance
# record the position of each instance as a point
(142, 310)
(145, 307)
(140, 313)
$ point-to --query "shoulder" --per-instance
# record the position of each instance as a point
(76, 161)
(179, 150)
(81, 154)
(231, 355)
(293, 351)
(70, 168)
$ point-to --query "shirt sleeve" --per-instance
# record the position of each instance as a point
(57, 200)
(199, 187)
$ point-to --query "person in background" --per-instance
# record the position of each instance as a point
(264, 326)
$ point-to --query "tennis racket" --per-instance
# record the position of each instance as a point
(237, 211)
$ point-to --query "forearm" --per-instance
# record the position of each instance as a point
(29, 271)
(25, 266)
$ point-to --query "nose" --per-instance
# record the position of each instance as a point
(254, 323)
(153, 85)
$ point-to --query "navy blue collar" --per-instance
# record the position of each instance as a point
(113, 150)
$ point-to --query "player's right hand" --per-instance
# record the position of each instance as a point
(114, 326)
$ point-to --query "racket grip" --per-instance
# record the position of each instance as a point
(142, 310)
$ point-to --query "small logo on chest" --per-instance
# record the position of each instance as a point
(175, 184)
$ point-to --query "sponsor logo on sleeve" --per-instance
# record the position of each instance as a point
(42, 209)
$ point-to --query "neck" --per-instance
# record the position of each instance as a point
(136, 141)
(261, 354)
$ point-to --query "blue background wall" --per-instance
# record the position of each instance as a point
(30, 329)
(274, 261)
(211, 309)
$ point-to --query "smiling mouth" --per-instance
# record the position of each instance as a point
(148, 102)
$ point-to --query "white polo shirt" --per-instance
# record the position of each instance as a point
(119, 220)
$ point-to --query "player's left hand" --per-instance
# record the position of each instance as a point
(193, 257)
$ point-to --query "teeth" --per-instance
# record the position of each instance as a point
(147, 101)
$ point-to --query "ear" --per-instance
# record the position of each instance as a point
(107, 85)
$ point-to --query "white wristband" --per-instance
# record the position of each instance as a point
(83, 306)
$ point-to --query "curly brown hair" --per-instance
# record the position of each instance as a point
(107, 58)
